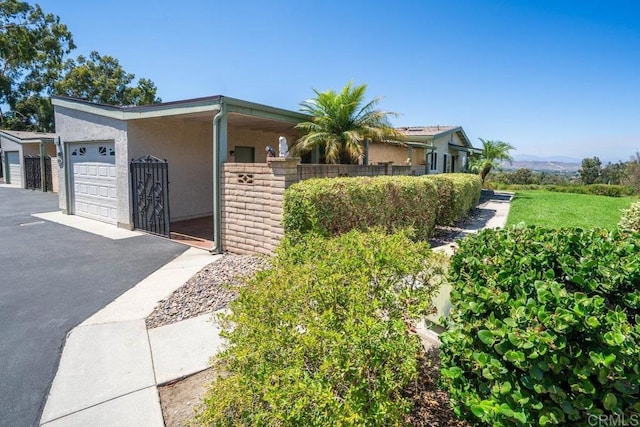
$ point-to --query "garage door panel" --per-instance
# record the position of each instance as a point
(94, 177)
(15, 169)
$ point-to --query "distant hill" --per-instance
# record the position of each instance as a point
(542, 165)
(534, 158)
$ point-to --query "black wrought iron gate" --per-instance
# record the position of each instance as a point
(150, 190)
(33, 173)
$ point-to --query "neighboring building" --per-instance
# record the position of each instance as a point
(18, 148)
(440, 149)
(195, 137)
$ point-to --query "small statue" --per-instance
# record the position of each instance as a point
(283, 147)
(270, 151)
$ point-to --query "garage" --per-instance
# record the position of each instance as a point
(93, 180)
(14, 169)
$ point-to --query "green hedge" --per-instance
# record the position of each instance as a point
(332, 206)
(321, 339)
(458, 193)
(546, 327)
(595, 189)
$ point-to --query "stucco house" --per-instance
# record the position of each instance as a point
(17, 148)
(441, 149)
(144, 166)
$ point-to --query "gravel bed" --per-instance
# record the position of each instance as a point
(447, 235)
(208, 290)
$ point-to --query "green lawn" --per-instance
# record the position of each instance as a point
(556, 210)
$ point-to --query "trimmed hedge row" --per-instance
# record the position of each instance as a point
(458, 193)
(594, 189)
(546, 327)
(333, 206)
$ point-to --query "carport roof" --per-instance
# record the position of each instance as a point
(205, 105)
(25, 137)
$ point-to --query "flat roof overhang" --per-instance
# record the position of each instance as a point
(199, 108)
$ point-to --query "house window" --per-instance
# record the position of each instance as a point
(433, 161)
(102, 151)
(445, 166)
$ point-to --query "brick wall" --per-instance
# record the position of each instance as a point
(252, 196)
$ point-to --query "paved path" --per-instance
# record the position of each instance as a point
(53, 277)
(493, 212)
(111, 364)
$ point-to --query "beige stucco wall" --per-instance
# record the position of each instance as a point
(257, 139)
(78, 126)
(187, 145)
(389, 153)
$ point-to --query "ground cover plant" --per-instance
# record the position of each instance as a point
(546, 327)
(630, 219)
(557, 210)
(322, 338)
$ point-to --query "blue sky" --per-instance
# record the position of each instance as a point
(551, 77)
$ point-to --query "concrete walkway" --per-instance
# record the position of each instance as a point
(493, 213)
(111, 364)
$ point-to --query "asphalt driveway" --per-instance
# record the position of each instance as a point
(52, 278)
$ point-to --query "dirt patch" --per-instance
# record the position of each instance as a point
(431, 405)
(179, 399)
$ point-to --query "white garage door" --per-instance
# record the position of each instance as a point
(15, 170)
(93, 186)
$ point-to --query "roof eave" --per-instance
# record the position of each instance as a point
(21, 141)
(197, 105)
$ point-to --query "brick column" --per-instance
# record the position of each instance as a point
(252, 196)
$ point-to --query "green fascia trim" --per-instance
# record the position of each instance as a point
(123, 114)
(458, 147)
(200, 105)
(420, 145)
(264, 111)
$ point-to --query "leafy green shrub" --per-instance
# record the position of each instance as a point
(630, 220)
(458, 193)
(321, 338)
(332, 206)
(546, 327)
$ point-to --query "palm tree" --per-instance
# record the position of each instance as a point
(493, 152)
(341, 122)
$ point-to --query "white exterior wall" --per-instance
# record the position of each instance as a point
(77, 126)
(188, 147)
(257, 139)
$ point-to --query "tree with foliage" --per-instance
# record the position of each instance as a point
(341, 122)
(612, 173)
(590, 170)
(102, 79)
(33, 45)
(632, 173)
(493, 152)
